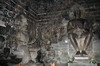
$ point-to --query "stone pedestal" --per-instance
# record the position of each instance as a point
(96, 50)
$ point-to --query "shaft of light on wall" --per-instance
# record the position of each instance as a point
(66, 41)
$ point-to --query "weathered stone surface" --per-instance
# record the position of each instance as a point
(61, 52)
(47, 27)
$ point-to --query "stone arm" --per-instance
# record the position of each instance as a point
(72, 38)
(71, 35)
(87, 41)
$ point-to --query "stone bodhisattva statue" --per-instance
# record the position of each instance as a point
(79, 33)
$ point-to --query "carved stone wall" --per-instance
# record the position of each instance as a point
(41, 26)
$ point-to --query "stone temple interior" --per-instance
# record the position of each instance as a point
(49, 33)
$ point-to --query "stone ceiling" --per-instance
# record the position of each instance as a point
(35, 9)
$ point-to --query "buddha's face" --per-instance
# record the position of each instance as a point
(74, 13)
(96, 26)
(71, 14)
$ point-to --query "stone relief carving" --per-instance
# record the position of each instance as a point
(48, 41)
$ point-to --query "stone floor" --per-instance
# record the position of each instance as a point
(81, 64)
(61, 64)
(76, 64)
